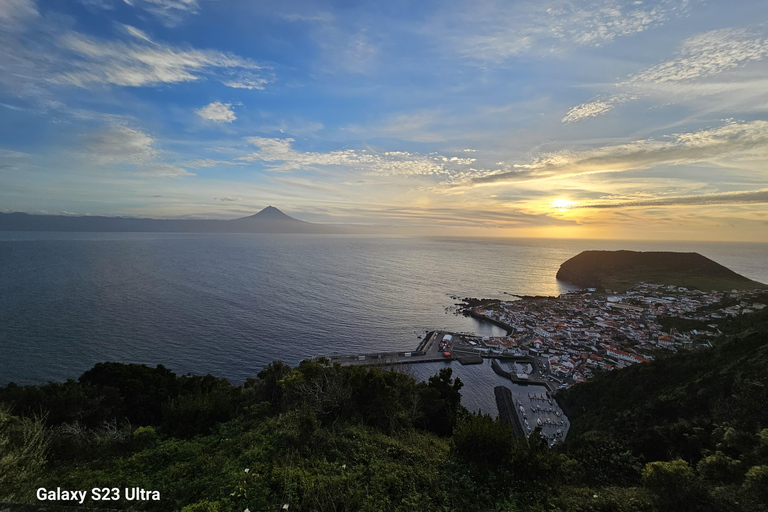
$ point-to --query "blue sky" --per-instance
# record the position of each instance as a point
(609, 118)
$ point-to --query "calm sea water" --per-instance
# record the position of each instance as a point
(230, 304)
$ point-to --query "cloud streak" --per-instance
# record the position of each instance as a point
(495, 30)
(281, 157)
(724, 198)
(122, 145)
(699, 57)
(743, 139)
(169, 12)
(139, 63)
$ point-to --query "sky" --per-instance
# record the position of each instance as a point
(638, 119)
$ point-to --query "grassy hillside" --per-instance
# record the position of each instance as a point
(620, 270)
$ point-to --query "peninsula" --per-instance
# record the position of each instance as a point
(268, 220)
(620, 270)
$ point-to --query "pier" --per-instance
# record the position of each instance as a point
(427, 351)
(434, 347)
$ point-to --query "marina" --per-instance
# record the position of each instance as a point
(525, 402)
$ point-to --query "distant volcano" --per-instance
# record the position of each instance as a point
(270, 212)
(268, 220)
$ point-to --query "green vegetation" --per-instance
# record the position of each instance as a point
(687, 432)
(696, 420)
(621, 270)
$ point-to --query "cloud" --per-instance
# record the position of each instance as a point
(345, 53)
(323, 17)
(207, 162)
(170, 12)
(723, 198)
(217, 112)
(15, 13)
(595, 107)
(137, 33)
(229, 199)
(123, 145)
(281, 157)
(8, 153)
(699, 57)
(139, 63)
(413, 126)
(164, 171)
(707, 54)
(46, 53)
(248, 82)
(495, 30)
(460, 217)
(10, 160)
(733, 139)
(345, 49)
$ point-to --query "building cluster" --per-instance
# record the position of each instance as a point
(579, 333)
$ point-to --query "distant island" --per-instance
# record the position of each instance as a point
(620, 270)
(268, 220)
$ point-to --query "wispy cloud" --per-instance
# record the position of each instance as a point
(217, 112)
(416, 126)
(321, 16)
(732, 139)
(596, 107)
(137, 33)
(281, 157)
(723, 198)
(495, 30)
(139, 63)
(208, 162)
(229, 199)
(11, 160)
(170, 12)
(707, 54)
(13, 13)
(248, 81)
(699, 57)
(347, 53)
(120, 144)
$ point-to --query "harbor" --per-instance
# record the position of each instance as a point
(513, 386)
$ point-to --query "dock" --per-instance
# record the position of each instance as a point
(498, 370)
(427, 351)
(506, 405)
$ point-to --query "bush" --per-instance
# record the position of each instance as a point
(22, 452)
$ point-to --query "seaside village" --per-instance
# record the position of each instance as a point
(578, 333)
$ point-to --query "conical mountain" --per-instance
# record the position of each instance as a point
(271, 213)
(268, 220)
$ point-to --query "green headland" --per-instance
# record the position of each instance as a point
(620, 270)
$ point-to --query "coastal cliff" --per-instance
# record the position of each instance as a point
(620, 270)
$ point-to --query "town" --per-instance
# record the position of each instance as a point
(579, 333)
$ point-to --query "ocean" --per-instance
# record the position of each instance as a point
(229, 304)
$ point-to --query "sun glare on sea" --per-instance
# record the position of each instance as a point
(562, 205)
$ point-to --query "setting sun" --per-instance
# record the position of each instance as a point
(562, 204)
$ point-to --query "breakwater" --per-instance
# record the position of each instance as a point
(427, 351)
(506, 406)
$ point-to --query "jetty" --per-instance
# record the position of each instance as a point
(436, 346)
(426, 351)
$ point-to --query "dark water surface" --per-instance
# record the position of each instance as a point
(229, 304)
